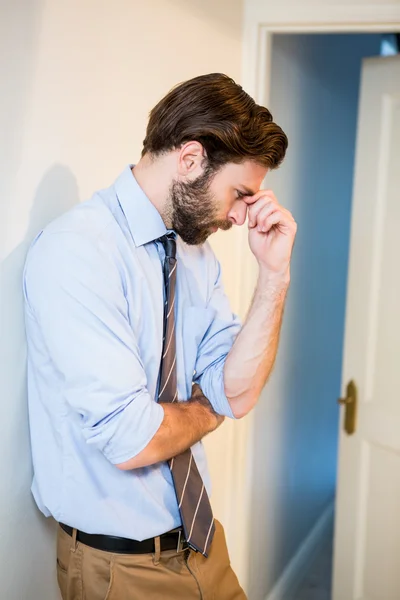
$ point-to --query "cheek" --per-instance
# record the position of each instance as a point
(227, 205)
(223, 195)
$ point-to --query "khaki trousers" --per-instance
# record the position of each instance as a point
(85, 573)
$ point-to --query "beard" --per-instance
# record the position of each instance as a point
(194, 210)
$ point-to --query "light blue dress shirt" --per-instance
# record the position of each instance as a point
(93, 290)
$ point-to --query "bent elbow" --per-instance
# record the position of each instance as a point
(239, 414)
(242, 405)
(238, 407)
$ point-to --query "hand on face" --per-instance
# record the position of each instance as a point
(272, 230)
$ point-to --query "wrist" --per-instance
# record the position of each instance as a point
(211, 419)
(278, 280)
(207, 414)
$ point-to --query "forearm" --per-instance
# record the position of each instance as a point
(184, 424)
(251, 359)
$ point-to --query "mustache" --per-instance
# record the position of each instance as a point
(224, 225)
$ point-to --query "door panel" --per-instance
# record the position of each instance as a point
(367, 530)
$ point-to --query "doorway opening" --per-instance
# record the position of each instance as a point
(313, 94)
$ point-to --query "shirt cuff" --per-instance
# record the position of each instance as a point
(132, 429)
(213, 387)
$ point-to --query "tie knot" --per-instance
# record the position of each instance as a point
(169, 243)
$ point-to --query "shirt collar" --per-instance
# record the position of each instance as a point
(144, 220)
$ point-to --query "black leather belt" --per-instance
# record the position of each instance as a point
(172, 540)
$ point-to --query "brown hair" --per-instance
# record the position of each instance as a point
(215, 111)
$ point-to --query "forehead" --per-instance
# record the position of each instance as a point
(244, 175)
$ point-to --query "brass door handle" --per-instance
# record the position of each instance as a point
(350, 404)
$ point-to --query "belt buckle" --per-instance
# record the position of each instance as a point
(181, 541)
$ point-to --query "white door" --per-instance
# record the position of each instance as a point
(367, 530)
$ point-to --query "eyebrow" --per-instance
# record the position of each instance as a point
(247, 191)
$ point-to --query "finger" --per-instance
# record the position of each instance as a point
(261, 194)
(255, 209)
(264, 204)
(287, 217)
(264, 213)
(273, 219)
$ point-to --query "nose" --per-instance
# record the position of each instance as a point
(238, 212)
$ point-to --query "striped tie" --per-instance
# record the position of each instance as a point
(193, 501)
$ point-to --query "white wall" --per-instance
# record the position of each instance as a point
(314, 91)
(79, 79)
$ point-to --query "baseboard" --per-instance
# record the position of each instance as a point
(303, 559)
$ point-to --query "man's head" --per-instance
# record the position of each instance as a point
(217, 145)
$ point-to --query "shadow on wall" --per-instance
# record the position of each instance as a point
(19, 34)
(20, 521)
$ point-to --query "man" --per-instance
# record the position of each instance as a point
(134, 354)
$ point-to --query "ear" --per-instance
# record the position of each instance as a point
(190, 160)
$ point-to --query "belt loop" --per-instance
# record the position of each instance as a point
(74, 533)
(157, 550)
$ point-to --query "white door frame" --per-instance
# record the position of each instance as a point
(262, 19)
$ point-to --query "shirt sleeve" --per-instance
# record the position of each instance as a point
(76, 293)
(216, 344)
